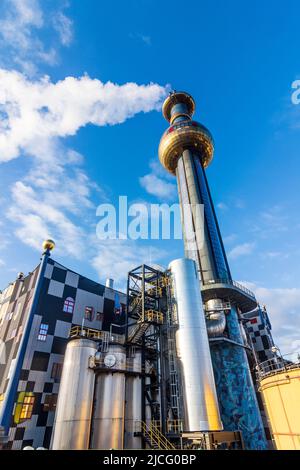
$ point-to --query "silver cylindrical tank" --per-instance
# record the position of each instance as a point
(74, 407)
(133, 404)
(109, 402)
(109, 283)
(199, 391)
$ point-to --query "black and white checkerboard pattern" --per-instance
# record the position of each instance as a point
(259, 328)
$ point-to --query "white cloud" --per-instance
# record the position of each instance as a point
(64, 27)
(241, 250)
(2, 263)
(36, 116)
(283, 306)
(159, 183)
(18, 30)
(35, 112)
(37, 218)
(21, 23)
(115, 258)
(158, 187)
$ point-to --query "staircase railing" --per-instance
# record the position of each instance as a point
(154, 437)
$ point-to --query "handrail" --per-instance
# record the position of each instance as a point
(90, 333)
(175, 426)
(230, 282)
(155, 436)
(154, 316)
(275, 365)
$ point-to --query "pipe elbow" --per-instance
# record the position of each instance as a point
(216, 323)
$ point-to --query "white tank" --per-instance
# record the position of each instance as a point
(109, 402)
(199, 392)
(74, 407)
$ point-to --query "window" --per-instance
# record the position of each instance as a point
(43, 332)
(69, 305)
(50, 402)
(24, 407)
(27, 408)
(56, 371)
(89, 313)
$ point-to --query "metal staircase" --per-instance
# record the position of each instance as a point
(139, 329)
(138, 332)
(153, 437)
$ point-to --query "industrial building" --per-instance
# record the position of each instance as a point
(175, 362)
(44, 305)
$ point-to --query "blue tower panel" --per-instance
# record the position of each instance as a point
(237, 398)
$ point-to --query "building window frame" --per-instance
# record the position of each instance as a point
(24, 407)
(89, 313)
(43, 332)
(69, 304)
(50, 402)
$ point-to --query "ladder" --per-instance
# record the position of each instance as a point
(172, 361)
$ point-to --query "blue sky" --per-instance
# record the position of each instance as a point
(90, 131)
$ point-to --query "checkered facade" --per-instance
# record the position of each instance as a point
(65, 299)
(259, 329)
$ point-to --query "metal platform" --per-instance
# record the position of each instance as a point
(215, 440)
(231, 290)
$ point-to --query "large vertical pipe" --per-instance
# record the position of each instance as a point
(109, 402)
(200, 398)
(133, 403)
(74, 407)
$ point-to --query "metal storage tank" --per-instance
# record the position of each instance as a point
(281, 394)
(109, 401)
(74, 407)
(133, 403)
(200, 397)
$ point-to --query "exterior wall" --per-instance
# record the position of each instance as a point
(15, 302)
(37, 378)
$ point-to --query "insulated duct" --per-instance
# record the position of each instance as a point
(215, 318)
